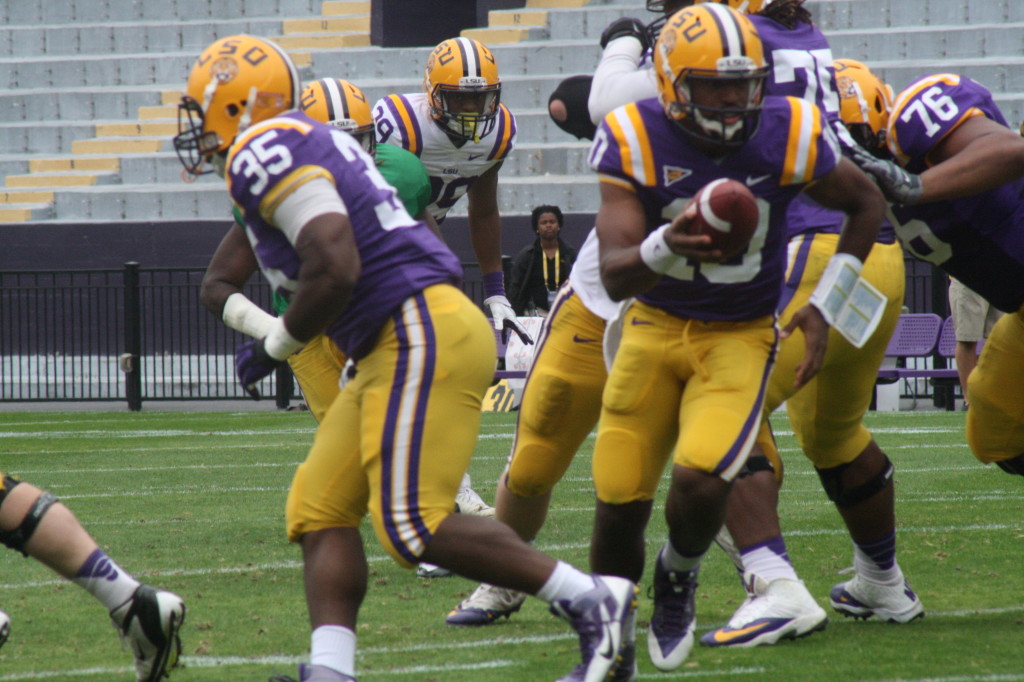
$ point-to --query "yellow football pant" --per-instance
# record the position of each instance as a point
(397, 440)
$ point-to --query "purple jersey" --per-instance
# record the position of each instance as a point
(399, 255)
(639, 148)
(977, 239)
(800, 62)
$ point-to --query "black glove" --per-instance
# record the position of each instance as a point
(253, 363)
(626, 26)
(897, 184)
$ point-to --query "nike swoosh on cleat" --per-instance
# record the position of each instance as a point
(725, 635)
(579, 339)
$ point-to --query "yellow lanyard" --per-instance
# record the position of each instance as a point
(547, 282)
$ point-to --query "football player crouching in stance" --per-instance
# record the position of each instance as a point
(956, 186)
(700, 340)
(147, 619)
(330, 235)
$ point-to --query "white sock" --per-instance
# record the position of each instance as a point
(334, 647)
(865, 566)
(766, 563)
(105, 580)
(565, 582)
(671, 560)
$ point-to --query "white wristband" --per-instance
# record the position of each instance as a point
(836, 284)
(654, 252)
(243, 315)
(279, 344)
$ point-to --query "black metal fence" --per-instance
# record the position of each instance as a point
(141, 334)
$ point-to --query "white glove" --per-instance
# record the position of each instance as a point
(504, 318)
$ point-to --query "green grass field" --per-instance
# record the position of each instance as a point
(193, 502)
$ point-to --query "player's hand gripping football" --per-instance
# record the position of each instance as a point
(684, 241)
(897, 184)
(504, 318)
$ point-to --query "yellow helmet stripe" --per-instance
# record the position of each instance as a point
(801, 146)
(901, 102)
(631, 135)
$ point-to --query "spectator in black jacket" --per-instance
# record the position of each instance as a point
(540, 268)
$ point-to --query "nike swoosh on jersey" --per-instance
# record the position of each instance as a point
(725, 635)
(751, 181)
(636, 320)
(579, 339)
(474, 156)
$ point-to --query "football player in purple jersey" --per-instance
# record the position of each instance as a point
(698, 342)
(957, 185)
(331, 236)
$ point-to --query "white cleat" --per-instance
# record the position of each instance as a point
(487, 604)
(777, 610)
(468, 502)
(893, 601)
(148, 624)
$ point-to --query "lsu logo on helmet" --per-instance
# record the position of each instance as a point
(461, 79)
(235, 82)
(865, 103)
(705, 44)
(340, 103)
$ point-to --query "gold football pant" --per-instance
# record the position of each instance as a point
(317, 368)
(694, 390)
(995, 392)
(562, 397)
(397, 440)
(827, 413)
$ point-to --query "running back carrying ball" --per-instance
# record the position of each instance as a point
(726, 212)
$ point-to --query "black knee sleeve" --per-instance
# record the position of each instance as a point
(16, 538)
(1013, 466)
(574, 92)
(832, 482)
(756, 463)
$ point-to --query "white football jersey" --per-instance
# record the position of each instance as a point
(585, 279)
(405, 121)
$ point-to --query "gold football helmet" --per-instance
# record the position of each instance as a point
(462, 81)
(714, 48)
(864, 103)
(237, 81)
(343, 105)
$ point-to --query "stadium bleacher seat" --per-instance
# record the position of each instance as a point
(66, 105)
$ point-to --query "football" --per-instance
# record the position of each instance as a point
(727, 212)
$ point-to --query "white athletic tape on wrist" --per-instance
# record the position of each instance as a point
(244, 316)
(279, 344)
(654, 252)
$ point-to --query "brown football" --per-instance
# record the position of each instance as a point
(727, 212)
